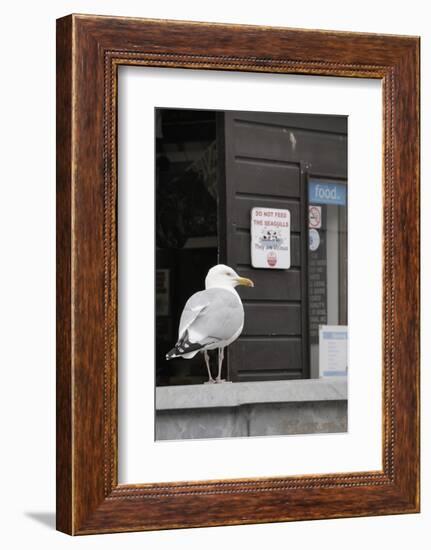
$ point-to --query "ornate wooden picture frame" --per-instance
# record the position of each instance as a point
(89, 51)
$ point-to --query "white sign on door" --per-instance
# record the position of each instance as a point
(332, 350)
(270, 238)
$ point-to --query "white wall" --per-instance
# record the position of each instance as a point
(27, 319)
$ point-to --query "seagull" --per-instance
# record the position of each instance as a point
(212, 318)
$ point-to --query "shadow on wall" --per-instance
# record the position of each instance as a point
(45, 518)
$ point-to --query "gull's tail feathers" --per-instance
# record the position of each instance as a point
(184, 348)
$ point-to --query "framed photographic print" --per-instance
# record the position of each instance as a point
(237, 274)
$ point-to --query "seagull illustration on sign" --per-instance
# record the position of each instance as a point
(212, 318)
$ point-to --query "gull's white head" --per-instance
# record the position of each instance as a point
(223, 276)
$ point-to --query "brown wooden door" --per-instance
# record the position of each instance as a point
(262, 167)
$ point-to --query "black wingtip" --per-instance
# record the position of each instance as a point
(183, 347)
(171, 354)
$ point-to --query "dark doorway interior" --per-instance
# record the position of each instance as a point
(186, 228)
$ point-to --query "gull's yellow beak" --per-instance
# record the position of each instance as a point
(245, 282)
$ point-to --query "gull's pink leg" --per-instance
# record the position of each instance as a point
(207, 363)
(220, 363)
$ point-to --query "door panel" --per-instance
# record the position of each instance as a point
(271, 284)
(282, 319)
(263, 177)
(281, 138)
(283, 362)
(260, 168)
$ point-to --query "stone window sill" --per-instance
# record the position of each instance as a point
(204, 396)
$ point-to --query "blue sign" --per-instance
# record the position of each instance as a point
(323, 192)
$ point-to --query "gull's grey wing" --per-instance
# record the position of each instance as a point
(194, 306)
(212, 315)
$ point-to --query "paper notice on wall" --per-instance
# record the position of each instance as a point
(333, 350)
(270, 238)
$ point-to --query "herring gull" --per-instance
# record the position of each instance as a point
(212, 318)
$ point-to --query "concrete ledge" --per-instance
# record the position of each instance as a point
(204, 396)
(260, 419)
